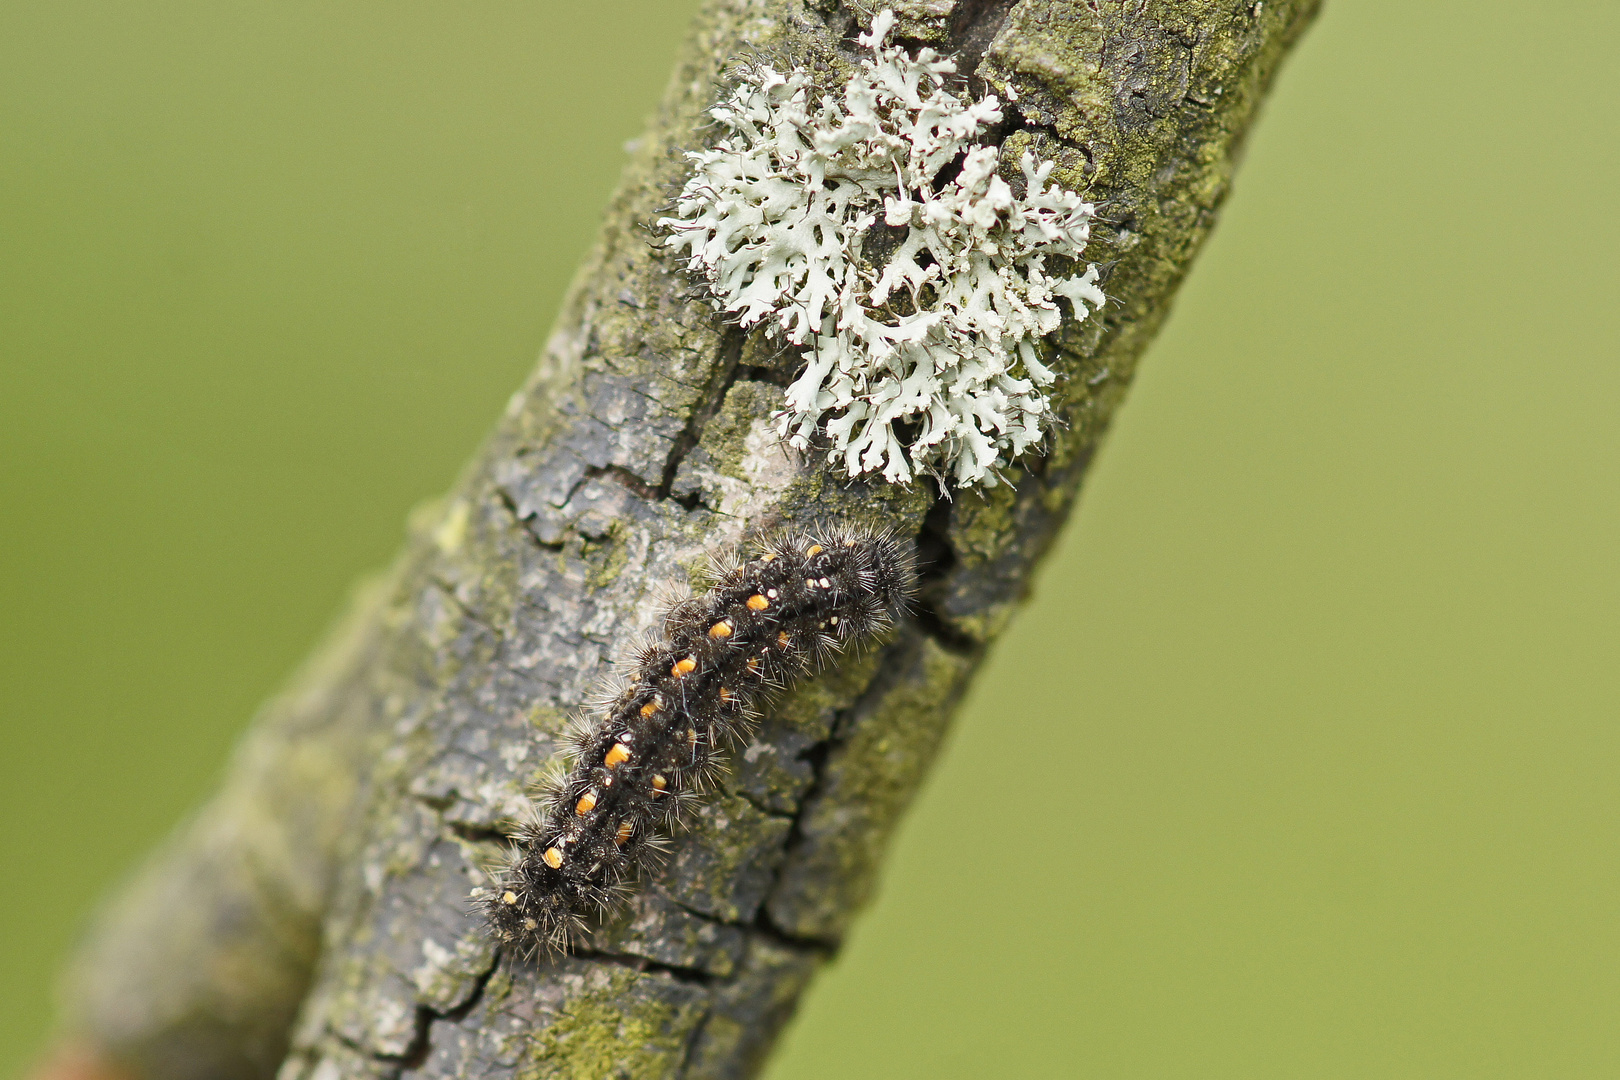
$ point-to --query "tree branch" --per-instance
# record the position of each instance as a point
(328, 880)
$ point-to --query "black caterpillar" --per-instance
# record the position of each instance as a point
(650, 749)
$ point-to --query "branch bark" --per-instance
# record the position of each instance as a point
(313, 917)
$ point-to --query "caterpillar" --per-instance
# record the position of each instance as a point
(651, 747)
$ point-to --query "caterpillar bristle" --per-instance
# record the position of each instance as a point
(609, 693)
(581, 730)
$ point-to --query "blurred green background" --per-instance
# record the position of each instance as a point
(1310, 730)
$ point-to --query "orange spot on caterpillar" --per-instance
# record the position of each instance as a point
(617, 755)
(782, 639)
(626, 827)
(552, 858)
(650, 708)
(587, 803)
(684, 666)
(508, 897)
(813, 550)
(726, 695)
(758, 603)
(720, 630)
(660, 785)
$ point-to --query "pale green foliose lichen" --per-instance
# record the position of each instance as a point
(940, 336)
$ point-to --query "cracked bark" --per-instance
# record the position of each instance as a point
(312, 919)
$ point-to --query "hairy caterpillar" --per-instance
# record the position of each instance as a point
(650, 750)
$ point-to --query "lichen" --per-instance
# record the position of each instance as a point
(875, 232)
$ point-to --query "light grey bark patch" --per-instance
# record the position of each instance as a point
(654, 927)
(775, 769)
(724, 863)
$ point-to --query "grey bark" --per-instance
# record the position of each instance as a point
(313, 918)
